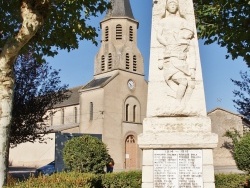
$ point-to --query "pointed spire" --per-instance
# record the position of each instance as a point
(120, 8)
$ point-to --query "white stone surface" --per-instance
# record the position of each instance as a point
(208, 173)
(177, 140)
(147, 175)
(160, 103)
(147, 185)
(176, 124)
(147, 158)
(176, 111)
(208, 157)
(209, 185)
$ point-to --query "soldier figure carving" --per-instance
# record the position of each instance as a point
(178, 66)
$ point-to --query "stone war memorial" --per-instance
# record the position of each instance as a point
(177, 142)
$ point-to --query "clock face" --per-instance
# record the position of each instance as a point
(131, 84)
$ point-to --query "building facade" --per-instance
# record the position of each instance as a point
(113, 103)
(221, 121)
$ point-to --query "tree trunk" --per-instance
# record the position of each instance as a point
(32, 20)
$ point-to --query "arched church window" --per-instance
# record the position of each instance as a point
(132, 110)
(119, 32)
(134, 63)
(131, 34)
(127, 61)
(103, 63)
(130, 139)
(127, 112)
(134, 113)
(62, 116)
(106, 33)
(91, 110)
(110, 61)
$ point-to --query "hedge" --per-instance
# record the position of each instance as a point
(130, 179)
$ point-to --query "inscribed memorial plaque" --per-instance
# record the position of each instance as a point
(178, 168)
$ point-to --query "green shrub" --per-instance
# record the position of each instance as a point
(85, 154)
(62, 180)
(131, 179)
(242, 153)
(230, 180)
(122, 179)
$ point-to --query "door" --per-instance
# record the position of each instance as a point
(130, 152)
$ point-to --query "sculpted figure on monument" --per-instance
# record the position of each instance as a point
(178, 58)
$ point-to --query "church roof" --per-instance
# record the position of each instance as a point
(120, 8)
(72, 100)
(96, 82)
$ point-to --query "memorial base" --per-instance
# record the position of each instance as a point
(177, 152)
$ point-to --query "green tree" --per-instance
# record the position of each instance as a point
(85, 154)
(37, 89)
(240, 149)
(227, 23)
(43, 26)
(242, 96)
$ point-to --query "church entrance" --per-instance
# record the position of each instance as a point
(130, 152)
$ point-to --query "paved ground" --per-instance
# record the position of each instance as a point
(21, 173)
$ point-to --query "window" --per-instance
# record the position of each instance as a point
(62, 116)
(131, 34)
(103, 63)
(134, 63)
(130, 139)
(91, 106)
(106, 33)
(132, 110)
(75, 113)
(127, 61)
(127, 112)
(118, 32)
(134, 113)
(110, 61)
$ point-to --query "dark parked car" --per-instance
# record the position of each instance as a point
(46, 170)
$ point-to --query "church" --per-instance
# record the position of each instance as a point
(113, 103)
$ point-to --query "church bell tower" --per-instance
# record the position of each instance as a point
(119, 50)
(113, 103)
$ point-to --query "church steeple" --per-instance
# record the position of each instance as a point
(119, 49)
(120, 8)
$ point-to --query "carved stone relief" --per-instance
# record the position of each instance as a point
(177, 59)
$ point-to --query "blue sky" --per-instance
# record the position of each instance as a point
(77, 67)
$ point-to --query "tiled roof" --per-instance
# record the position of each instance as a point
(72, 100)
(218, 108)
(96, 82)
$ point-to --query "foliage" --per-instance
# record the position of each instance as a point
(86, 180)
(235, 136)
(62, 180)
(230, 180)
(118, 180)
(227, 23)
(242, 102)
(37, 89)
(66, 22)
(242, 153)
(240, 149)
(85, 154)
(122, 179)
